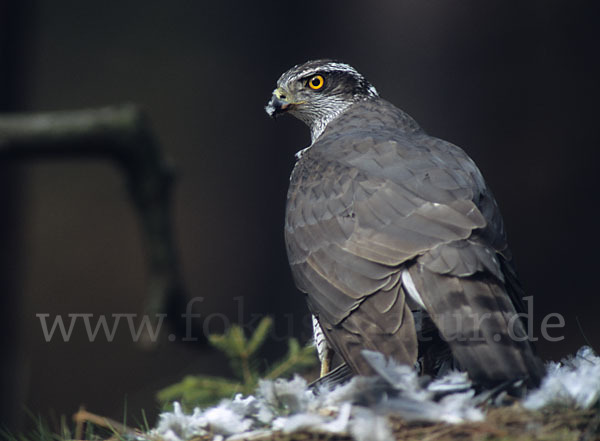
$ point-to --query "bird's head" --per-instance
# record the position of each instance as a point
(317, 92)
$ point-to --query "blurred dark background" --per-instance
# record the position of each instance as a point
(515, 83)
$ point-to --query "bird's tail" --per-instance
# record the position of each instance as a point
(478, 320)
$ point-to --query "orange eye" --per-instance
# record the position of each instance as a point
(316, 82)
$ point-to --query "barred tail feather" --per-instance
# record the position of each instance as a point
(476, 317)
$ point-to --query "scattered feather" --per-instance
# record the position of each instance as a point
(360, 408)
(366, 425)
(285, 396)
(574, 381)
(452, 382)
(219, 420)
(177, 426)
(315, 422)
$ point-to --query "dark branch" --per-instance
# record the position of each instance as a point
(123, 135)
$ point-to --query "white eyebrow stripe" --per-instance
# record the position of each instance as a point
(333, 67)
(328, 67)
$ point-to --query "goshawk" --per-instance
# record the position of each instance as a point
(395, 238)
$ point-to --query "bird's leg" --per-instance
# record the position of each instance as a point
(326, 362)
(323, 350)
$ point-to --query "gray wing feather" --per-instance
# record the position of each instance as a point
(364, 204)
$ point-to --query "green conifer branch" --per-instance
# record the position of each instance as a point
(242, 353)
(259, 335)
(297, 358)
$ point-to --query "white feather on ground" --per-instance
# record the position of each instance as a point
(360, 407)
(575, 381)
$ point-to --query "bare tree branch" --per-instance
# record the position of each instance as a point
(122, 134)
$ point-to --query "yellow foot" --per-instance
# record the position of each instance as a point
(326, 362)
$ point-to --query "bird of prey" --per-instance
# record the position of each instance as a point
(395, 237)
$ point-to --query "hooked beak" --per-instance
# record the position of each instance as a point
(279, 103)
